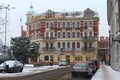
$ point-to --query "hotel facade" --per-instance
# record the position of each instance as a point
(71, 36)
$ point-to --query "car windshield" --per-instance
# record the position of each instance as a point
(80, 65)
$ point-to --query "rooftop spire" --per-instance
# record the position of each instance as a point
(31, 7)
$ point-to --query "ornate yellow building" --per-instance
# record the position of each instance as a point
(71, 36)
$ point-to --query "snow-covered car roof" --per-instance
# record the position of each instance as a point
(10, 63)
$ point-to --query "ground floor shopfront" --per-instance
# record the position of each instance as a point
(71, 58)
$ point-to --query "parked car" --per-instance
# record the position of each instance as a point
(93, 66)
(96, 62)
(81, 68)
(63, 63)
(11, 66)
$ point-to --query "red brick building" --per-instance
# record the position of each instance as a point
(103, 48)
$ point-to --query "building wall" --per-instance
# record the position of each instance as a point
(113, 21)
(80, 29)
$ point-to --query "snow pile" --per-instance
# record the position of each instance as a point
(98, 75)
(29, 69)
(115, 75)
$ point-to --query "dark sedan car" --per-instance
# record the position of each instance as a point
(11, 66)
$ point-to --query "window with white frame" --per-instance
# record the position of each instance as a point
(63, 45)
(63, 34)
(68, 44)
(47, 25)
(78, 24)
(58, 34)
(59, 44)
(85, 34)
(73, 45)
(73, 34)
(73, 24)
(78, 45)
(85, 25)
(47, 34)
(58, 24)
(68, 24)
(90, 34)
(90, 45)
(90, 24)
(64, 24)
(78, 34)
(51, 27)
(68, 34)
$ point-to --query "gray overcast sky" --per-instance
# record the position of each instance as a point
(39, 6)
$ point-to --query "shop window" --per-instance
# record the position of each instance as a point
(46, 58)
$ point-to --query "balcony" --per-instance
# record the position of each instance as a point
(49, 39)
(88, 38)
(88, 49)
(48, 48)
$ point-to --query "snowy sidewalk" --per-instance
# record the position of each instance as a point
(106, 73)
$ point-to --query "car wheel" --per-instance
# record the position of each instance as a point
(21, 69)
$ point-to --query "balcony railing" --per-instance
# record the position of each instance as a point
(49, 38)
(88, 48)
(88, 38)
(48, 48)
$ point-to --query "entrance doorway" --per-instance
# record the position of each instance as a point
(68, 59)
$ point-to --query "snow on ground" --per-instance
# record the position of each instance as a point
(98, 75)
(115, 75)
(29, 69)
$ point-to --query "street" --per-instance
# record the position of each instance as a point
(58, 74)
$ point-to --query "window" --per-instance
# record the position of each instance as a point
(73, 24)
(58, 34)
(78, 58)
(47, 35)
(68, 35)
(86, 26)
(78, 24)
(58, 25)
(46, 58)
(73, 45)
(47, 45)
(68, 45)
(87, 58)
(63, 34)
(78, 45)
(63, 45)
(90, 24)
(78, 34)
(51, 27)
(85, 34)
(47, 25)
(73, 35)
(63, 24)
(51, 35)
(59, 45)
(90, 45)
(90, 34)
(51, 45)
(68, 24)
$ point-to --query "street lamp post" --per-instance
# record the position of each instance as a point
(6, 9)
